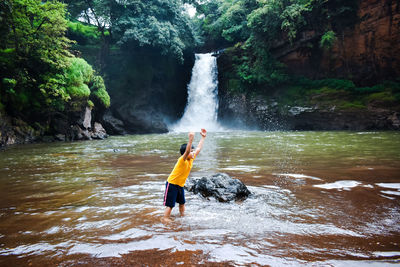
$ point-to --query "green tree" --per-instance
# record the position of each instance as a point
(37, 71)
(160, 24)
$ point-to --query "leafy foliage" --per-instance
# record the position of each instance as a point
(160, 24)
(259, 25)
(83, 33)
(38, 74)
(328, 39)
(99, 92)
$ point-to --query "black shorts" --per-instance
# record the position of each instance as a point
(173, 193)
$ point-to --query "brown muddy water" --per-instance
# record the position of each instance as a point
(318, 199)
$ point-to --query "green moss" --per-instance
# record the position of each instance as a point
(386, 96)
(80, 91)
(103, 96)
(99, 91)
(323, 90)
(371, 89)
(352, 105)
(90, 103)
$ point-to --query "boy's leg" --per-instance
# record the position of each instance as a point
(169, 201)
(181, 200)
(167, 213)
(182, 209)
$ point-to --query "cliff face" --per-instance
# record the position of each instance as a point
(147, 91)
(257, 112)
(77, 125)
(366, 53)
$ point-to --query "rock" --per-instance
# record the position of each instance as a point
(394, 120)
(79, 134)
(98, 131)
(60, 137)
(47, 138)
(220, 185)
(112, 124)
(264, 114)
(86, 118)
(16, 131)
(141, 119)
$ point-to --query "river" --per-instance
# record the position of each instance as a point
(318, 198)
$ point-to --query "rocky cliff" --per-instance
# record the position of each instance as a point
(367, 52)
(78, 125)
(261, 113)
(147, 90)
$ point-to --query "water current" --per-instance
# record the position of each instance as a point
(318, 199)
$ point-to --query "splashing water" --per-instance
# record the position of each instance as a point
(202, 107)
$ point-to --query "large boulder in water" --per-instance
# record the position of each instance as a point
(220, 185)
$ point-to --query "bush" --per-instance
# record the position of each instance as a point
(99, 91)
(327, 40)
(82, 33)
(9, 84)
(78, 75)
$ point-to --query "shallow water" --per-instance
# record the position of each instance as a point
(319, 198)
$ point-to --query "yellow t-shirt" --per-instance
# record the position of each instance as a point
(181, 171)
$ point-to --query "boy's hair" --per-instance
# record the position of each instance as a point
(183, 148)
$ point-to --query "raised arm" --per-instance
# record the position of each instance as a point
(188, 146)
(203, 133)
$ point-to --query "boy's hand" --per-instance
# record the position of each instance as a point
(191, 135)
(203, 132)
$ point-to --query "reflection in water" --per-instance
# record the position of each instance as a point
(324, 198)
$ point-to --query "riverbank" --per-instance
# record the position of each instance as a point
(62, 127)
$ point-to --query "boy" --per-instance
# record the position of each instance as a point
(174, 186)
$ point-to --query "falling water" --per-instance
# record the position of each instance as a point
(202, 105)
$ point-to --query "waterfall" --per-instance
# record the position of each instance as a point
(202, 105)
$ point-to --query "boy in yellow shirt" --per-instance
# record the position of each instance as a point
(174, 186)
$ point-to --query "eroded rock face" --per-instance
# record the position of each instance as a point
(84, 128)
(98, 131)
(260, 113)
(141, 118)
(15, 131)
(63, 127)
(368, 52)
(220, 185)
(112, 124)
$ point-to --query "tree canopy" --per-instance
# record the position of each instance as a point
(161, 24)
(38, 73)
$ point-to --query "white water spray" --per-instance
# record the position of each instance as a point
(202, 106)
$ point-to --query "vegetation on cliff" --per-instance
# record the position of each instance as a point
(39, 75)
(255, 32)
